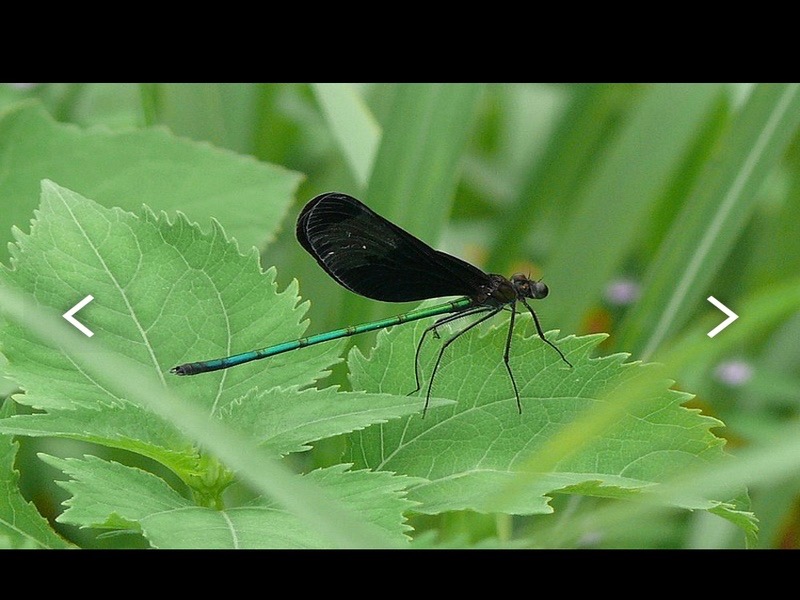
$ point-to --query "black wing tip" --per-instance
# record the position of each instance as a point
(301, 229)
(311, 204)
(302, 219)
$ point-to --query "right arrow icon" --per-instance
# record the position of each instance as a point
(732, 316)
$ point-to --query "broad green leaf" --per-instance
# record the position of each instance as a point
(281, 421)
(110, 495)
(286, 422)
(21, 526)
(166, 293)
(481, 454)
(129, 169)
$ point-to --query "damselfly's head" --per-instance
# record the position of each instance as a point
(527, 288)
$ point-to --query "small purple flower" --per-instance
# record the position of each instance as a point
(622, 292)
(735, 372)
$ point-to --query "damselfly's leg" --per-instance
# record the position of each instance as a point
(493, 312)
(507, 354)
(432, 328)
(541, 333)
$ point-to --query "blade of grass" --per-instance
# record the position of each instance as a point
(712, 219)
(416, 167)
(778, 256)
(353, 125)
(149, 98)
(636, 168)
(276, 134)
(656, 227)
(218, 113)
(194, 110)
(583, 130)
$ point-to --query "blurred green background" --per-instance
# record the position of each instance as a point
(633, 202)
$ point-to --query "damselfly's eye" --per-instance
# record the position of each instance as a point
(539, 290)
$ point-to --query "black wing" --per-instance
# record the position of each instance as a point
(375, 258)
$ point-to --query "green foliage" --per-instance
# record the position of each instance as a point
(616, 197)
(137, 266)
(108, 495)
(483, 456)
(712, 219)
(132, 168)
(20, 525)
(153, 196)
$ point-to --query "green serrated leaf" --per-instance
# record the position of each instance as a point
(21, 526)
(286, 421)
(571, 436)
(164, 293)
(110, 495)
(744, 519)
(126, 426)
(129, 169)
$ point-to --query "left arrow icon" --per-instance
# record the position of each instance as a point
(73, 321)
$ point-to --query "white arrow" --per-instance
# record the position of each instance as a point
(73, 321)
(732, 316)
